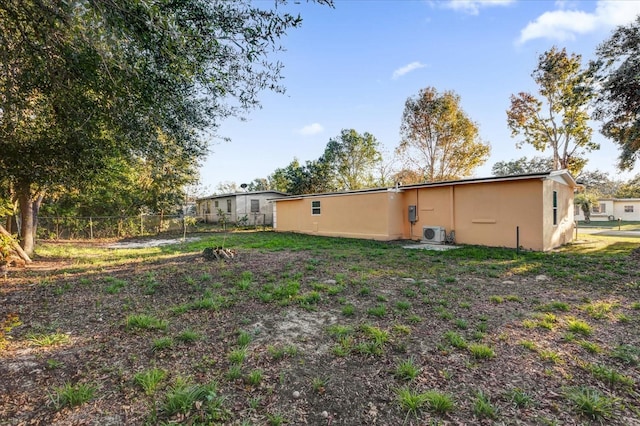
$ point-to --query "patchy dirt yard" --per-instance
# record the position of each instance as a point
(302, 330)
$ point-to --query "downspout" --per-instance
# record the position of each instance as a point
(453, 207)
(417, 214)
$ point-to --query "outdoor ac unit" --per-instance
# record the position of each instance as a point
(434, 234)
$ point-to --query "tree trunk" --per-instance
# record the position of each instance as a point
(16, 246)
(25, 205)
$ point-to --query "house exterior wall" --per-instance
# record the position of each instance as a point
(500, 214)
(615, 207)
(264, 215)
(371, 215)
(490, 213)
(561, 232)
(621, 206)
(240, 207)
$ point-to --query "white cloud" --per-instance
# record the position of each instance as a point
(407, 69)
(473, 7)
(567, 24)
(311, 129)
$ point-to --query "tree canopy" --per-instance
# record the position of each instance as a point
(85, 83)
(618, 103)
(439, 140)
(352, 158)
(522, 166)
(558, 118)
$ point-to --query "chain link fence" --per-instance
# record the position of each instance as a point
(98, 227)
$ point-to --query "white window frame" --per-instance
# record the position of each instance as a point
(316, 208)
(555, 207)
(257, 206)
(628, 209)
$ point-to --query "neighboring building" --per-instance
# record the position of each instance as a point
(533, 210)
(612, 209)
(256, 206)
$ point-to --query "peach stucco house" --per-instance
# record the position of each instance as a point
(534, 211)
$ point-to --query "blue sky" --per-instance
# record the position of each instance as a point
(355, 65)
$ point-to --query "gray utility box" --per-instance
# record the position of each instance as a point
(412, 214)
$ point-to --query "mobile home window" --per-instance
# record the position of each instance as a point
(555, 207)
(600, 208)
(628, 209)
(255, 206)
(228, 206)
(315, 207)
(216, 204)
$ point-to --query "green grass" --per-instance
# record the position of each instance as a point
(115, 285)
(377, 311)
(519, 398)
(422, 307)
(279, 352)
(47, 340)
(145, 322)
(348, 310)
(183, 396)
(376, 334)
(455, 340)
(410, 400)
(319, 384)
(162, 343)
(579, 327)
(254, 378)
(407, 369)
(483, 407)
(337, 330)
(599, 309)
(480, 351)
(70, 395)
(244, 338)
(611, 376)
(554, 306)
(590, 347)
(188, 336)
(438, 402)
(149, 380)
(627, 354)
(237, 356)
(591, 403)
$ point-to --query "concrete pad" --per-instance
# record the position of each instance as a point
(427, 246)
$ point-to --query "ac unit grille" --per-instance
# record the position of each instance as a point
(433, 234)
(429, 234)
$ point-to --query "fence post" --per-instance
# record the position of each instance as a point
(141, 225)
(90, 228)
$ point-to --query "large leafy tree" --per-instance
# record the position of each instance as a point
(353, 157)
(313, 177)
(83, 83)
(522, 166)
(439, 140)
(557, 120)
(629, 189)
(599, 183)
(618, 103)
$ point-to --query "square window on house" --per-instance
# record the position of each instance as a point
(595, 208)
(255, 206)
(228, 206)
(315, 207)
(628, 209)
